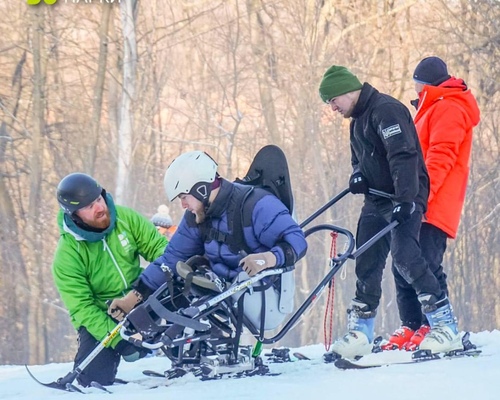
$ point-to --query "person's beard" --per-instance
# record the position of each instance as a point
(101, 222)
(199, 216)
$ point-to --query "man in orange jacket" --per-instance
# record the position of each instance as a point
(446, 113)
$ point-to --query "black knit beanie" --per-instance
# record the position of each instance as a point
(431, 71)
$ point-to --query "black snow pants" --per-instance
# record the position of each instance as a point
(433, 245)
(403, 242)
(103, 368)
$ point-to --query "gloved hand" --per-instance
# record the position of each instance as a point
(121, 307)
(402, 212)
(358, 184)
(129, 352)
(254, 263)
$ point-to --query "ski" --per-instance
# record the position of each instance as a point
(380, 357)
(154, 374)
(97, 385)
(206, 371)
(68, 387)
(173, 373)
(301, 357)
(144, 382)
(414, 357)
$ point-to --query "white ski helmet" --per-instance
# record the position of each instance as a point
(190, 173)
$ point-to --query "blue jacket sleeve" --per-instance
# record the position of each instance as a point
(185, 243)
(275, 228)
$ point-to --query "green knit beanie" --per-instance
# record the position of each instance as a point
(337, 81)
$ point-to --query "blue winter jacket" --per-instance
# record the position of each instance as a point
(272, 229)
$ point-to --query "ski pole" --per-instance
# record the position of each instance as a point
(71, 376)
(65, 382)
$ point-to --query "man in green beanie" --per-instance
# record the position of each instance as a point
(385, 155)
(339, 81)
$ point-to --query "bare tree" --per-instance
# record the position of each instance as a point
(128, 11)
(35, 278)
(93, 137)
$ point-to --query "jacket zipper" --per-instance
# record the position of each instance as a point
(106, 248)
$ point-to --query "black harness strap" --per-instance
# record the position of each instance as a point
(170, 285)
(237, 218)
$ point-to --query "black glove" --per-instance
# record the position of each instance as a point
(129, 352)
(358, 184)
(402, 212)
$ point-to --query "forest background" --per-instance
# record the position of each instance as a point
(117, 89)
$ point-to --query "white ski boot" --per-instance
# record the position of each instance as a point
(443, 336)
(358, 341)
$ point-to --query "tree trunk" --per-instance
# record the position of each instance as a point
(95, 124)
(34, 255)
(125, 130)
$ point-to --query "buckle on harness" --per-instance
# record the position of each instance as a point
(217, 235)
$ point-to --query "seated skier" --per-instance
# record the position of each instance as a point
(270, 236)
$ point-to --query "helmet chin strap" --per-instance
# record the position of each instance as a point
(202, 190)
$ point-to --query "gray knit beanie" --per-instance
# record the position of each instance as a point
(162, 217)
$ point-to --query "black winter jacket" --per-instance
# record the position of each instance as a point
(385, 147)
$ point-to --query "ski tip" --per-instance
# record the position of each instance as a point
(300, 356)
(155, 374)
(345, 364)
(97, 385)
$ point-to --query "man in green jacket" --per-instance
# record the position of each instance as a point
(97, 259)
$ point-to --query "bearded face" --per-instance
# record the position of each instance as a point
(96, 214)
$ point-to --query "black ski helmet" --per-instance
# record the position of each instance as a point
(76, 191)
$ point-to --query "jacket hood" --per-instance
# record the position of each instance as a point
(452, 89)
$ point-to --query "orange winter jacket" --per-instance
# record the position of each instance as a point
(445, 117)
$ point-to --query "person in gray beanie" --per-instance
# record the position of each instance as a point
(385, 155)
(163, 221)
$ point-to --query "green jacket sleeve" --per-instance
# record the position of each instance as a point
(150, 243)
(71, 281)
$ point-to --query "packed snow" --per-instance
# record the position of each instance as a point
(458, 379)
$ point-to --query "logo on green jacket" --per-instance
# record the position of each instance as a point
(122, 237)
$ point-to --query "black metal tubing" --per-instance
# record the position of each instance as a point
(336, 264)
(321, 210)
(373, 239)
